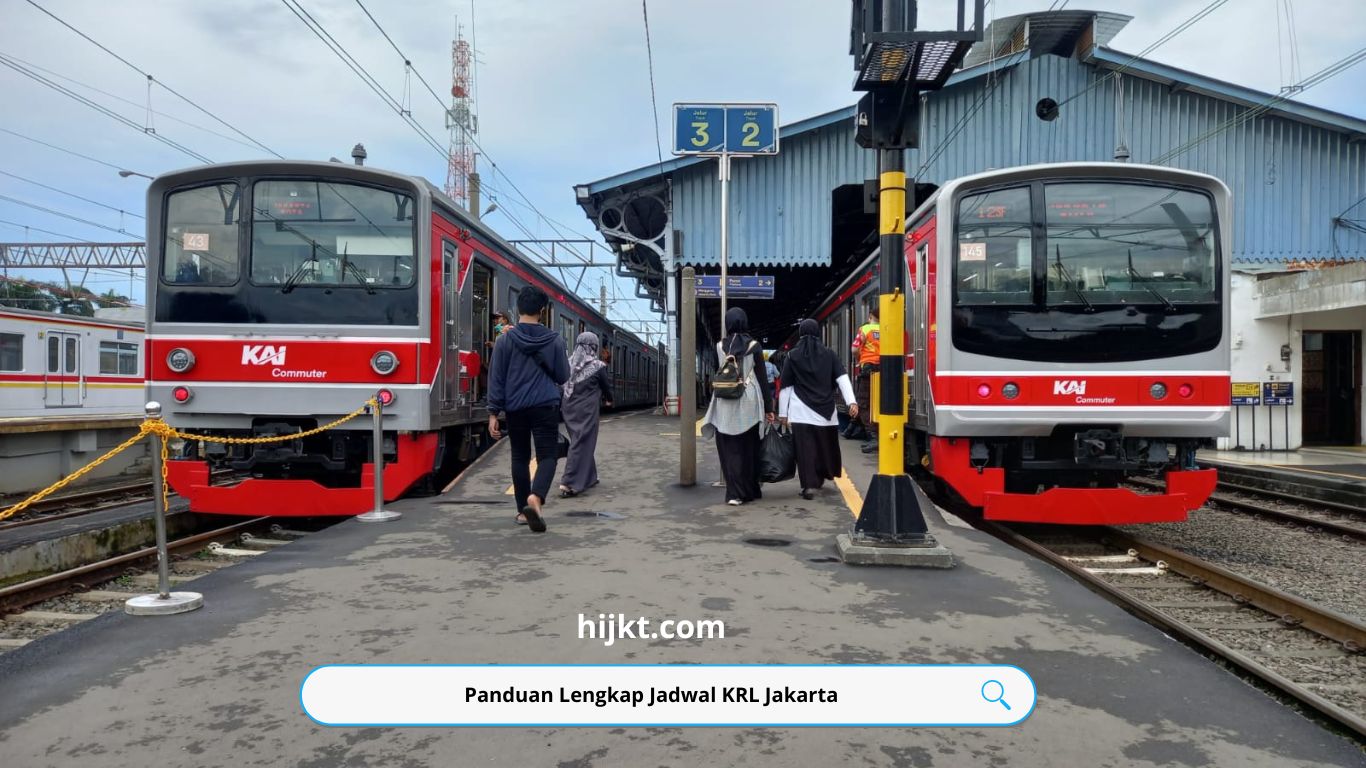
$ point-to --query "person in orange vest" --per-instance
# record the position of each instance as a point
(867, 348)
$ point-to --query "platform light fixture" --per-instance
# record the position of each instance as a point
(888, 50)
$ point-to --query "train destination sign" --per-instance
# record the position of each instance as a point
(737, 286)
(1278, 393)
(733, 129)
(1246, 393)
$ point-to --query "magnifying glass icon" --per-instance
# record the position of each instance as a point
(998, 689)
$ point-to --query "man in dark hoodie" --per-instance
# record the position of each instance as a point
(529, 364)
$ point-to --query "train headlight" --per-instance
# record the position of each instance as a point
(180, 360)
(1158, 390)
(384, 362)
(1011, 390)
(182, 394)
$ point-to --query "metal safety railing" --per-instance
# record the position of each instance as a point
(160, 433)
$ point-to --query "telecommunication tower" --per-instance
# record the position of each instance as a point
(461, 121)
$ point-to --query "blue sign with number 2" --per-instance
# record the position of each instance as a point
(749, 130)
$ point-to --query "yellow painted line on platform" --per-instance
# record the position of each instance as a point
(512, 491)
(852, 499)
(670, 434)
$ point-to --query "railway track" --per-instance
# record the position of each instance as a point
(1307, 652)
(85, 502)
(84, 592)
(1342, 519)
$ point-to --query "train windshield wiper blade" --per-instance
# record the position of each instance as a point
(1143, 281)
(1067, 276)
(298, 274)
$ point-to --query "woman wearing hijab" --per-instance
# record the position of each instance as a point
(589, 385)
(811, 374)
(736, 422)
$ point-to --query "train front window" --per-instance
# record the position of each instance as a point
(314, 233)
(200, 246)
(1114, 243)
(994, 261)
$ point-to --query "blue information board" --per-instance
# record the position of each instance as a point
(737, 286)
(735, 129)
(1278, 393)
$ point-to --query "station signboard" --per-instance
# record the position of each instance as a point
(732, 129)
(737, 286)
(1246, 393)
(1278, 393)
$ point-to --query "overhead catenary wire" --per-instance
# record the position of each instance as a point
(152, 79)
(71, 152)
(1327, 73)
(64, 215)
(107, 112)
(70, 194)
(650, 60)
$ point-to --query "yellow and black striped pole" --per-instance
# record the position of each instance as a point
(891, 509)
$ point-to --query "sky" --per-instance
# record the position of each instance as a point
(563, 90)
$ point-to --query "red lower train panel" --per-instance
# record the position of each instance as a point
(1186, 490)
(303, 498)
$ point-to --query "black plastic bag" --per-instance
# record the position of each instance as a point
(561, 445)
(777, 456)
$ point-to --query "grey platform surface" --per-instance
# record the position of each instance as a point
(456, 581)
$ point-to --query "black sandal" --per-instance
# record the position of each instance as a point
(520, 519)
(568, 494)
(534, 520)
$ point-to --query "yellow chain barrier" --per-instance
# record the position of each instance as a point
(158, 427)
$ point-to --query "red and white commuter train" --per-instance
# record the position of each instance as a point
(66, 365)
(1068, 327)
(282, 295)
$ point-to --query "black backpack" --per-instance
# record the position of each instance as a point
(727, 383)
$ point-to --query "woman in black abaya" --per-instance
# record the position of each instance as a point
(735, 423)
(810, 375)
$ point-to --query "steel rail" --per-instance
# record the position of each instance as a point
(140, 492)
(22, 595)
(1336, 506)
(1334, 526)
(1176, 627)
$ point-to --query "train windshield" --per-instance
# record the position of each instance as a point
(1086, 270)
(1128, 244)
(317, 233)
(289, 251)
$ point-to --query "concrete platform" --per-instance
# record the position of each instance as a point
(455, 580)
(1330, 474)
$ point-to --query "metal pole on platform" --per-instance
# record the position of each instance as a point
(723, 163)
(165, 602)
(687, 391)
(379, 514)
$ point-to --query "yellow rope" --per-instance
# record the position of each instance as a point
(158, 427)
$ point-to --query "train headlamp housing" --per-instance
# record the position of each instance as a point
(1010, 390)
(384, 362)
(1158, 390)
(180, 360)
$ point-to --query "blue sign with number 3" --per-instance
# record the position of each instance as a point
(737, 129)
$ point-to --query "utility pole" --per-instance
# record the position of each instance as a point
(894, 64)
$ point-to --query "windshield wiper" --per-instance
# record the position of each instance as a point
(349, 268)
(1143, 281)
(299, 272)
(1067, 276)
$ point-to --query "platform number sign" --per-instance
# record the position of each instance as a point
(733, 129)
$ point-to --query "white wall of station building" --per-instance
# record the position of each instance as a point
(1258, 337)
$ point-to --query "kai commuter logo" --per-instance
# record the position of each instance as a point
(263, 354)
(1060, 386)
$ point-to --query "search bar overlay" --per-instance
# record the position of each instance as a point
(673, 695)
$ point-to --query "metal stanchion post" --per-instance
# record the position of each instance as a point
(165, 601)
(379, 514)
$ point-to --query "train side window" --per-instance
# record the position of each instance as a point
(11, 352)
(201, 235)
(54, 354)
(73, 354)
(994, 253)
(118, 358)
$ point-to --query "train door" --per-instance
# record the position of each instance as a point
(450, 307)
(922, 241)
(1332, 387)
(481, 324)
(62, 384)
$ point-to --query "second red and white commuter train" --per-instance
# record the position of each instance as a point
(1068, 327)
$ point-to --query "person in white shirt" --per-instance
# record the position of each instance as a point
(811, 374)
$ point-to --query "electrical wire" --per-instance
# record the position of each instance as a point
(70, 194)
(62, 149)
(1327, 73)
(151, 79)
(64, 215)
(654, 104)
(17, 225)
(107, 112)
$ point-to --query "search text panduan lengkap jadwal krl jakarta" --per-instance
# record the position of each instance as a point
(601, 697)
